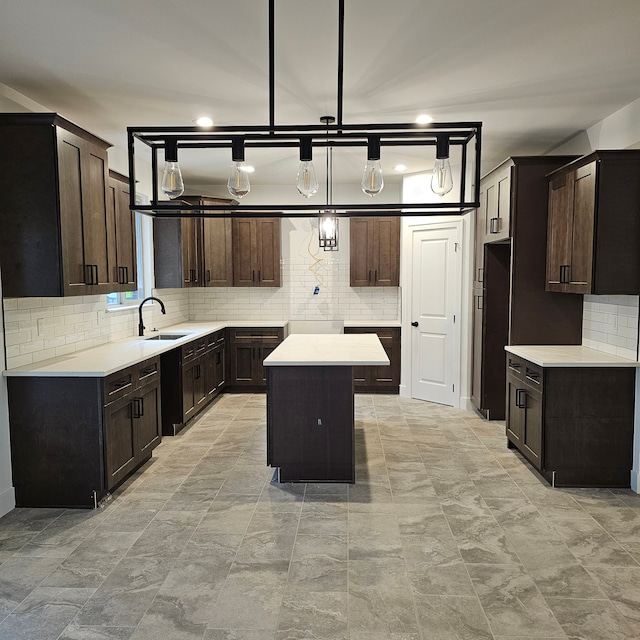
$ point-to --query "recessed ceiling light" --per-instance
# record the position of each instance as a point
(423, 118)
(204, 121)
(400, 167)
(247, 168)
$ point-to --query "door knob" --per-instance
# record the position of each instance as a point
(414, 324)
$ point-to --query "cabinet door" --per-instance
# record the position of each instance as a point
(476, 380)
(122, 238)
(514, 411)
(220, 366)
(147, 423)
(559, 233)
(360, 238)
(267, 233)
(189, 391)
(259, 370)
(241, 363)
(191, 238)
(217, 252)
(582, 240)
(478, 262)
(532, 427)
(385, 252)
(120, 440)
(244, 253)
(388, 375)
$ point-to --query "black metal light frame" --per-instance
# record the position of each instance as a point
(466, 135)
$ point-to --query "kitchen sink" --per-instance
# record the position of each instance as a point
(167, 336)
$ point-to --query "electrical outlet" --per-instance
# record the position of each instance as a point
(316, 291)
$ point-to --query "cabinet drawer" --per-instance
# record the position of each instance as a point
(119, 384)
(515, 367)
(148, 371)
(533, 375)
(271, 334)
(215, 339)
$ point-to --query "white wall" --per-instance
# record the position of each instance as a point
(610, 323)
(7, 494)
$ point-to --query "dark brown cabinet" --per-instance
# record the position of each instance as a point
(55, 225)
(382, 379)
(510, 304)
(593, 228)
(217, 252)
(248, 347)
(193, 375)
(256, 252)
(123, 231)
(375, 251)
(574, 424)
(74, 439)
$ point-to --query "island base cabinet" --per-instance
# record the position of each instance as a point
(310, 424)
(574, 424)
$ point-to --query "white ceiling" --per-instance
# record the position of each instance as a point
(535, 72)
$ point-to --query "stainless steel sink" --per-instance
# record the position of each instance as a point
(167, 336)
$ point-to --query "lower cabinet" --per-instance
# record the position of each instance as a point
(248, 347)
(193, 375)
(74, 439)
(574, 424)
(383, 379)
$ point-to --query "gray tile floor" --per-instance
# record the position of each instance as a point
(445, 535)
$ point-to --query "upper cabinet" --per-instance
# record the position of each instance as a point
(123, 224)
(193, 252)
(55, 221)
(495, 203)
(593, 236)
(375, 251)
(256, 252)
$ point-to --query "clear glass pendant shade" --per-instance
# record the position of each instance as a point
(238, 183)
(307, 182)
(372, 180)
(442, 178)
(172, 182)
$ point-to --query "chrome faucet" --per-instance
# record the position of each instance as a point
(140, 325)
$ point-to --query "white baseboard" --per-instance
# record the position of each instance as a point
(7, 501)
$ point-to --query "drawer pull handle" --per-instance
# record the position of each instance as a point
(520, 403)
(494, 225)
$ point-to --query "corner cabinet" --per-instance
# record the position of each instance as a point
(193, 375)
(375, 251)
(510, 304)
(55, 222)
(594, 227)
(381, 379)
(74, 439)
(573, 424)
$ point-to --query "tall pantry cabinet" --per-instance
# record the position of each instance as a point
(510, 304)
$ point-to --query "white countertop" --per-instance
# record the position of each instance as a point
(328, 349)
(568, 356)
(114, 356)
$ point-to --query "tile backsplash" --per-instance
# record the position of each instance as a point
(610, 324)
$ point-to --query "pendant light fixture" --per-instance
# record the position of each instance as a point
(238, 183)
(442, 178)
(372, 181)
(172, 182)
(328, 222)
(306, 181)
(337, 136)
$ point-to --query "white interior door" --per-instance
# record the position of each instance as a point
(435, 295)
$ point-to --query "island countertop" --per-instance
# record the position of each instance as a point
(328, 349)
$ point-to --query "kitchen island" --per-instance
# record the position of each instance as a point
(310, 404)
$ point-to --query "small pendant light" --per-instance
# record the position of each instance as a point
(372, 180)
(172, 182)
(306, 181)
(442, 177)
(238, 183)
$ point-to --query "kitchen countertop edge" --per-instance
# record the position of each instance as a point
(568, 356)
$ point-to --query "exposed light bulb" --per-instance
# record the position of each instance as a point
(372, 180)
(172, 182)
(238, 183)
(306, 181)
(328, 233)
(442, 177)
